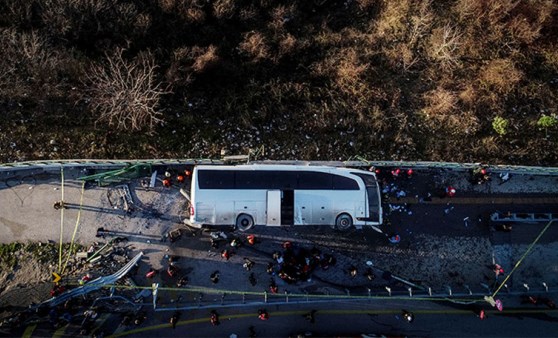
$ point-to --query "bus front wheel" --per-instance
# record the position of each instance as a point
(244, 222)
(344, 222)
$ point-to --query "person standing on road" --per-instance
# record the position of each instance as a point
(353, 271)
(251, 332)
(248, 264)
(262, 314)
(273, 286)
(235, 243)
(140, 318)
(215, 277)
(310, 316)
(252, 279)
(369, 274)
(251, 239)
(150, 273)
(549, 302)
(174, 319)
(182, 281)
(450, 191)
(481, 314)
(269, 268)
(409, 317)
(498, 270)
(214, 318)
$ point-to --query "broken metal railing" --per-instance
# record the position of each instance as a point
(118, 175)
(93, 285)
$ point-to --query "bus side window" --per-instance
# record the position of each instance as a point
(344, 183)
(314, 181)
(283, 180)
(251, 180)
(216, 179)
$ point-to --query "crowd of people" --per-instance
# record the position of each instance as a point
(297, 264)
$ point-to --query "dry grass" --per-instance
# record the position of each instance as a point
(224, 9)
(350, 70)
(440, 102)
(468, 95)
(365, 5)
(186, 62)
(550, 55)
(255, 46)
(345, 69)
(280, 15)
(400, 56)
(30, 65)
(287, 45)
(193, 14)
(392, 22)
(249, 13)
(500, 75)
(143, 22)
(421, 22)
(408, 70)
(404, 35)
(204, 58)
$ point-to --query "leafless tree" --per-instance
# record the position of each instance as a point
(126, 93)
(444, 46)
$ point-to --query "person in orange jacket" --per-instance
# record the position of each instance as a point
(251, 239)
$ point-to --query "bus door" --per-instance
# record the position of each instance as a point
(274, 207)
(287, 207)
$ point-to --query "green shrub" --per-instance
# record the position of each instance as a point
(500, 125)
(547, 121)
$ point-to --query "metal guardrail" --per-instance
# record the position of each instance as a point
(523, 217)
(458, 298)
(101, 162)
(352, 162)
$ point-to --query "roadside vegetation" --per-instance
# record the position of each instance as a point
(458, 80)
(13, 254)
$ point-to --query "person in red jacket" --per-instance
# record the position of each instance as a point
(251, 239)
(263, 315)
(450, 191)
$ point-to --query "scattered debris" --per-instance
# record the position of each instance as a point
(504, 177)
(174, 235)
(153, 179)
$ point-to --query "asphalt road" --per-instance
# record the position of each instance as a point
(333, 319)
(352, 319)
(437, 248)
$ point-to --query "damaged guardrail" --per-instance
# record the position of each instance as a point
(93, 285)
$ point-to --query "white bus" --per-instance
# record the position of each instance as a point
(275, 195)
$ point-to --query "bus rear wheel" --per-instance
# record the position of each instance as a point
(244, 222)
(343, 222)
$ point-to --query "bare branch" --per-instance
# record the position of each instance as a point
(125, 93)
(444, 46)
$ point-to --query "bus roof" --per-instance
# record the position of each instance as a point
(288, 167)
